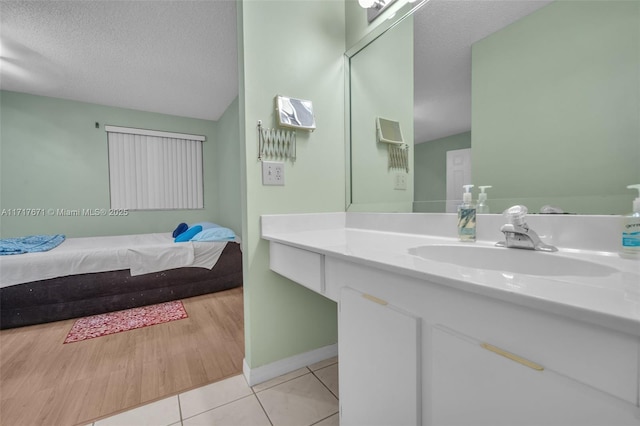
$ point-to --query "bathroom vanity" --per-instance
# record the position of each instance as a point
(433, 331)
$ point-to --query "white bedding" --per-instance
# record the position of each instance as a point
(141, 254)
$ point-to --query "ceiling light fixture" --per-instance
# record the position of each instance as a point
(374, 7)
(376, 4)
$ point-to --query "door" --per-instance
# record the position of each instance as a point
(379, 351)
(475, 383)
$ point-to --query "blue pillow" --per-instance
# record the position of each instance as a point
(215, 234)
(207, 225)
(188, 234)
(180, 229)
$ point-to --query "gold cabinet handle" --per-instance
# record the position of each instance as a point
(512, 357)
(375, 299)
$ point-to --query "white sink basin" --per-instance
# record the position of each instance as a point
(511, 260)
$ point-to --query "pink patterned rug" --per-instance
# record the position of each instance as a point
(130, 319)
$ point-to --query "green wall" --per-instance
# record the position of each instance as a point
(293, 49)
(381, 85)
(560, 89)
(227, 169)
(431, 171)
(54, 157)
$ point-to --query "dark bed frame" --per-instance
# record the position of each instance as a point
(81, 295)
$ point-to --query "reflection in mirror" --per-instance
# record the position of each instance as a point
(543, 95)
(381, 85)
(389, 131)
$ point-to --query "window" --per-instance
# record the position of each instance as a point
(151, 170)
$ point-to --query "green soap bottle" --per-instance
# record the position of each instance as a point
(467, 217)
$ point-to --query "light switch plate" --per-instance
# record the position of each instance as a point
(272, 173)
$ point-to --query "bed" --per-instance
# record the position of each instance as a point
(88, 276)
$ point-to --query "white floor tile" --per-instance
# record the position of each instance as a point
(280, 379)
(213, 395)
(329, 376)
(243, 412)
(331, 421)
(160, 413)
(298, 402)
(322, 364)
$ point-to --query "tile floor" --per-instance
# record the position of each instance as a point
(305, 397)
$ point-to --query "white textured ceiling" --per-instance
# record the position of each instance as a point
(444, 31)
(172, 57)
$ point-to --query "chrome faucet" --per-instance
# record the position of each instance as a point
(518, 234)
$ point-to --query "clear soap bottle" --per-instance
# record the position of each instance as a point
(631, 229)
(483, 207)
(467, 216)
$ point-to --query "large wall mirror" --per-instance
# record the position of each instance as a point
(538, 99)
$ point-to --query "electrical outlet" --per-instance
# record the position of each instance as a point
(272, 173)
(400, 181)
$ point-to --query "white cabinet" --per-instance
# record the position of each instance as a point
(476, 383)
(379, 362)
(398, 368)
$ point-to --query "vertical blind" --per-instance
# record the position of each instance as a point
(151, 170)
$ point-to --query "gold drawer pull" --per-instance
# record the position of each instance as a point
(375, 299)
(512, 357)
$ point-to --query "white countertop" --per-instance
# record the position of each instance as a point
(611, 299)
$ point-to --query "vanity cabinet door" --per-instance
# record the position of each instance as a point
(379, 351)
(474, 383)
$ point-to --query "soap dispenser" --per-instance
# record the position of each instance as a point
(483, 207)
(467, 216)
(631, 229)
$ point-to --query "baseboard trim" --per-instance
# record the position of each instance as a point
(266, 372)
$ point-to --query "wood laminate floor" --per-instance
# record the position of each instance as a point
(46, 382)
